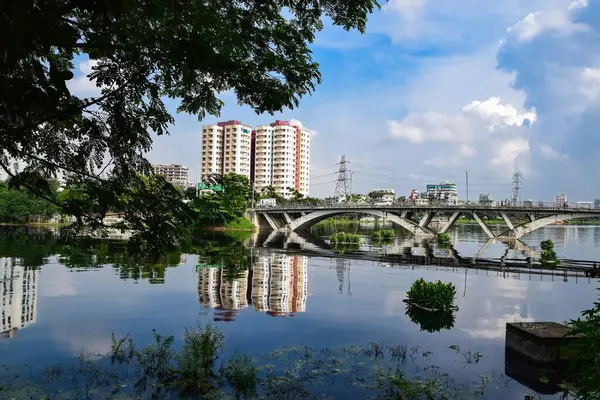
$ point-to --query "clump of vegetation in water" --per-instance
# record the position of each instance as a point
(160, 371)
(344, 248)
(344, 238)
(444, 240)
(432, 296)
(383, 235)
(548, 259)
(430, 321)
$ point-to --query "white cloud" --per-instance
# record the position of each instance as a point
(579, 4)
(506, 154)
(442, 162)
(552, 20)
(299, 124)
(499, 115)
(590, 82)
(467, 151)
(552, 154)
(431, 126)
(81, 85)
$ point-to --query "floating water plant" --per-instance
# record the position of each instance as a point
(344, 238)
(432, 296)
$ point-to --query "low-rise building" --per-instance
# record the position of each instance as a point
(485, 198)
(587, 205)
(383, 196)
(560, 201)
(597, 204)
(174, 173)
(445, 192)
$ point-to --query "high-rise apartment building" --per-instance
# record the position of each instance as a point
(18, 291)
(176, 174)
(275, 155)
(444, 191)
(226, 149)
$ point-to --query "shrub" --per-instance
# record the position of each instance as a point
(435, 296)
(443, 240)
(344, 238)
(548, 259)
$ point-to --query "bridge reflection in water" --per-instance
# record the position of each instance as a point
(518, 257)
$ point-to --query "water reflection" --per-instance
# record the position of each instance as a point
(19, 300)
(275, 284)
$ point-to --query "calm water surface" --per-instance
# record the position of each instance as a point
(283, 299)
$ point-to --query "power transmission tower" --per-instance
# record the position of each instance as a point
(343, 187)
(517, 188)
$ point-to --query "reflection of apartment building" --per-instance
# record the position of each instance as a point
(215, 291)
(226, 149)
(275, 155)
(280, 284)
(279, 287)
(18, 287)
(174, 173)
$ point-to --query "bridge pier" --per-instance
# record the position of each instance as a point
(484, 226)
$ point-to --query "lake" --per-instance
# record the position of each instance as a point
(64, 301)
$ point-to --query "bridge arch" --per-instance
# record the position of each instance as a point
(525, 228)
(310, 219)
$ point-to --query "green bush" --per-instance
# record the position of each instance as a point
(444, 240)
(344, 238)
(548, 259)
(436, 296)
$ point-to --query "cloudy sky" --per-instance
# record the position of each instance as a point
(439, 87)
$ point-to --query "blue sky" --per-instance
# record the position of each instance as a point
(437, 87)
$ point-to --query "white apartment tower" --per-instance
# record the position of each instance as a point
(226, 148)
(282, 158)
(275, 155)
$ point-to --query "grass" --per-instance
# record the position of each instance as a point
(467, 221)
(239, 224)
(345, 238)
(199, 370)
(383, 235)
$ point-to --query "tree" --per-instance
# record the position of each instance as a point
(229, 204)
(141, 52)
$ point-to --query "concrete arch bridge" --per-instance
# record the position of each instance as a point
(417, 219)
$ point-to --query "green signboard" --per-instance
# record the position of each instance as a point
(207, 266)
(205, 186)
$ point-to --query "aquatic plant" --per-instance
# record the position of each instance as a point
(345, 238)
(383, 234)
(432, 296)
(548, 258)
(430, 321)
(343, 248)
(159, 371)
(444, 240)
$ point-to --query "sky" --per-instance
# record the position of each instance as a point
(439, 87)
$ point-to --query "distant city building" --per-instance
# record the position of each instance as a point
(444, 191)
(528, 203)
(275, 155)
(597, 204)
(383, 196)
(177, 174)
(560, 201)
(485, 198)
(588, 205)
(18, 290)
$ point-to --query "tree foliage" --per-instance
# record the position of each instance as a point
(222, 207)
(141, 52)
(19, 206)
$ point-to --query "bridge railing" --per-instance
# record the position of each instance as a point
(549, 206)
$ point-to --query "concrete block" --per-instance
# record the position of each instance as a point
(539, 341)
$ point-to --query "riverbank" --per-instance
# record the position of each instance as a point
(239, 224)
